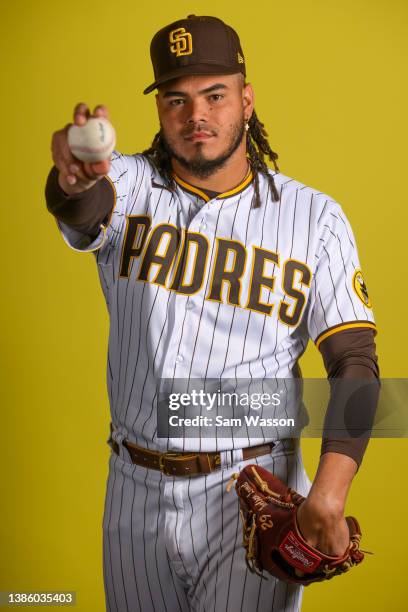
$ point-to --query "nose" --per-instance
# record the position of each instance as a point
(196, 111)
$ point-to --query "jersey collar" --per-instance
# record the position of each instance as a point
(226, 194)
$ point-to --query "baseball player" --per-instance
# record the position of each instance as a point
(213, 267)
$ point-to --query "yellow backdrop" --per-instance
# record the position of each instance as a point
(330, 83)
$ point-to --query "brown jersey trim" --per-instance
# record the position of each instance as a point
(191, 188)
(340, 327)
(205, 193)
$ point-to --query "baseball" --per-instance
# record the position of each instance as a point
(92, 142)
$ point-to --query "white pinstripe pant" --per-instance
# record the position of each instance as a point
(174, 544)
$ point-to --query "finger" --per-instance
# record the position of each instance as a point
(90, 174)
(62, 166)
(87, 171)
(61, 154)
(64, 160)
(101, 167)
(65, 170)
(78, 170)
(81, 113)
(101, 111)
(75, 170)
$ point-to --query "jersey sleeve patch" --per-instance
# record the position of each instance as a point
(360, 288)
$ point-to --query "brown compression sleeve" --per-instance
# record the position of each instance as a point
(83, 211)
(351, 354)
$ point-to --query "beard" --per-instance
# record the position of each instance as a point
(199, 165)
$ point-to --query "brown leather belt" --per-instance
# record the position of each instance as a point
(183, 464)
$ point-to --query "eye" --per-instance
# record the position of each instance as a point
(176, 101)
(216, 97)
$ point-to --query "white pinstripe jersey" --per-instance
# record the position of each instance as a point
(216, 288)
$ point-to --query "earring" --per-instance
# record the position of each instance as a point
(246, 125)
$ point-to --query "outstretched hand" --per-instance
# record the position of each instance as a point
(76, 176)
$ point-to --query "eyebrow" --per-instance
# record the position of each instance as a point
(207, 90)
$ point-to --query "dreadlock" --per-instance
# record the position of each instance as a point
(257, 147)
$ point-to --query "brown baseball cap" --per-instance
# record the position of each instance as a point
(194, 46)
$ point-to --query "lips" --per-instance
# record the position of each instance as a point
(196, 136)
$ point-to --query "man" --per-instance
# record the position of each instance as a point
(213, 267)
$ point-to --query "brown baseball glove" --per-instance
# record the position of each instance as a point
(271, 536)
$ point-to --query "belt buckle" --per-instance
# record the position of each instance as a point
(162, 459)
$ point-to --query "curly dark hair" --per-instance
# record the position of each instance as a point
(257, 147)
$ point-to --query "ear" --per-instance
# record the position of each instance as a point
(248, 100)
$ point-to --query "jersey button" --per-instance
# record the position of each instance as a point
(189, 305)
(179, 358)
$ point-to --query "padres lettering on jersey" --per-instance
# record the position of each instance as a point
(216, 289)
(191, 251)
